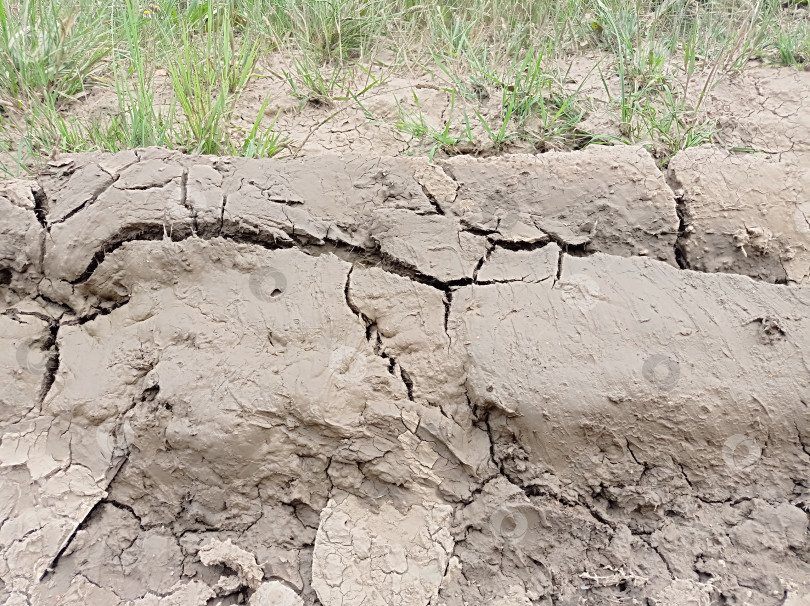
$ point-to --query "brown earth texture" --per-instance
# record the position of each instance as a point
(354, 379)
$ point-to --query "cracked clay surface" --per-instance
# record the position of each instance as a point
(352, 381)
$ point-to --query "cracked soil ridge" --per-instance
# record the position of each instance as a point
(379, 394)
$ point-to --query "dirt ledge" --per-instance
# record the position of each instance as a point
(367, 381)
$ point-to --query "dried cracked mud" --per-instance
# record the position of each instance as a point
(350, 381)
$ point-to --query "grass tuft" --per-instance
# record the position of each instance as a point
(43, 51)
(177, 69)
(207, 80)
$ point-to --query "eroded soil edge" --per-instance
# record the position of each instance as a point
(366, 381)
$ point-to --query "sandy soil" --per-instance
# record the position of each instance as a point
(359, 378)
(759, 109)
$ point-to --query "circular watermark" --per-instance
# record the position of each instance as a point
(741, 452)
(267, 283)
(509, 222)
(113, 439)
(802, 218)
(580, 292)
(494, 217)
(794, 599)
(32, 358)
(54, 389)
(661, 371)
(509, 523)
(431, 574)
(348, 362)
(32, 45)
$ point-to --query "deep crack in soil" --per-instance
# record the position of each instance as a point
(351, 380)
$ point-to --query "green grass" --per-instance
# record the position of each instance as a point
(417, 126)
(334, 29)
(44, 51)
(503, 64)
(791, 41)
(262, 143)
(138, 123)
(207, 81)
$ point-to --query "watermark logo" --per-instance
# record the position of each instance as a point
(510, 523)
(802, 218)
(267, 283)
(741, 452)
(113, 439)
(31, 44)
(347, 362)
(580, 292)
(32, 358)
(794, 599)
(509, 222)
(492, 216)
(661, 371)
